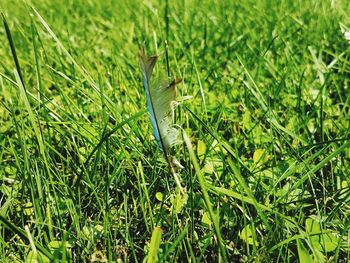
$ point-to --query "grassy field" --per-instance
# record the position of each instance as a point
(266, 165)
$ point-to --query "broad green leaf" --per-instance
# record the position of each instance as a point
(99, 228)
(329, 242)
(208, 167)
(258, 155)
(322, 240)
(247, 235)
(32, 258)
(206, 219)
(201, 149)
(159, 196)
(28, 209)
(178, 201)
(55, 244)
(312, 226)
(247, 121)
(303, 254)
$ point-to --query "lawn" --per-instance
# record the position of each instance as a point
(263, 121)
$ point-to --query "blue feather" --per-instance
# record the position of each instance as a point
(161, 99)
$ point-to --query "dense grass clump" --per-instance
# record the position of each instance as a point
(267, 132)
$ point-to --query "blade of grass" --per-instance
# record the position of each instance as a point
(202, 183)
(173, 246)
(221, 140)
(103, 139)
(21, 233)
(316, 168)
(247, 190)
(263, 104)
(248, 200)
(12, 46)
(81, 70)
(154, 246)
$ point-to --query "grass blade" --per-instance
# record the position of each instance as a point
(202, 183)
(12, 46)
(154, 246)
(24, 236)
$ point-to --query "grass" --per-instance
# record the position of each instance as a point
(266, 150)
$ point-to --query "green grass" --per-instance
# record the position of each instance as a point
(267, 156)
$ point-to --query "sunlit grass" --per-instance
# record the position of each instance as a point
(267, 154)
